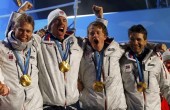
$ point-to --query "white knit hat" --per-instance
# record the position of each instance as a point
(166, 55)
(54, 14)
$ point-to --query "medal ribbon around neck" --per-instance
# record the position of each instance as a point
(140, 72)
(24, 68)
(64, 54)
(141, 85)
(98, 64)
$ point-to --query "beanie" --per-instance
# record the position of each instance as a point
(54, 14)
(166, 55)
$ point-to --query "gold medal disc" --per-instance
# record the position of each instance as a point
(141, 86)
(64, 66)
(98, 86)
(144, 86)
(25, 80)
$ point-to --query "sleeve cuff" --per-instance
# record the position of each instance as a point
(104, 21)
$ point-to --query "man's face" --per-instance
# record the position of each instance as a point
(23, 32)
(58, 27)
(96, 37)
(167, 64)
(137, 42)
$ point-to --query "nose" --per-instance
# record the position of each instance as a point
(24, 32)
(135, 42)
(60, 22)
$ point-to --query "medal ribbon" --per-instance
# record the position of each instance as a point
(24, 68)
(140, 72)
(63, 53)
(98, 64)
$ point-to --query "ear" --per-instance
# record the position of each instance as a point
(146, 41)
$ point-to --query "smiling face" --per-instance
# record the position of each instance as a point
(137, 42)
(23, 28)
(137, 38)
(24, 32)
(97, 35)
(58, 27)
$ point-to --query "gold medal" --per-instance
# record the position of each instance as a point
(25, 80)
(141, 86)
(64, 66)
(98, 86)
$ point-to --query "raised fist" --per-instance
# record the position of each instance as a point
(98, 11)
(25, 6)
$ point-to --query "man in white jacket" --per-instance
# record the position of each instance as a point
(18, 57)
(59, 65)
(143, 73)
(100, 71)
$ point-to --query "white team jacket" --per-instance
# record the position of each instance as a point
(115, 97)
(155, 76)
(55, 90)
(19, 98)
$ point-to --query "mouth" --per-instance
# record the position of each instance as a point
(95, 41)
(61, 29)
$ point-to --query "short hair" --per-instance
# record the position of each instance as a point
(24, 18)
(138, 29)
(99, 25)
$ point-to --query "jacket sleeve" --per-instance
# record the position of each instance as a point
(11, 21)
(104, 21)
(165, 83)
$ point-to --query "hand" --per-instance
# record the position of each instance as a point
(25, 6)
(41, 32)
(98, 11)
(161, 47)
(4, 90)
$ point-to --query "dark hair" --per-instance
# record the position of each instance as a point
(138, 29)
(24, 18)
(99, 25)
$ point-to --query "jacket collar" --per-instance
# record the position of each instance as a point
(109, 46)
(129, 55)
(17, 44)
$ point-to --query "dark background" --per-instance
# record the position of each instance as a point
(109, 5)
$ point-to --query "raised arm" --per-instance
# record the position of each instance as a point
(24, 7)
(98, 11)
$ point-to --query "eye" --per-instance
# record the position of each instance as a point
(20, 30)
(132, 39)
(28, 31)
(138, 39)
(91, 33)
(55, 20)
(64, 20)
